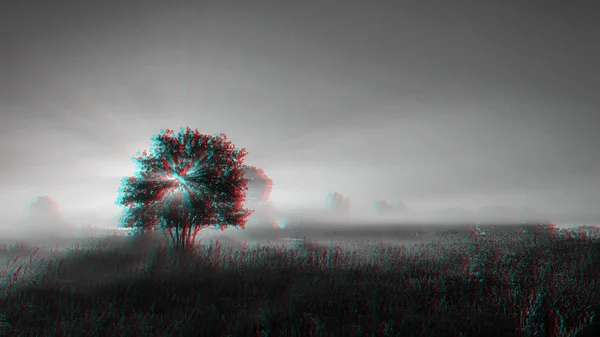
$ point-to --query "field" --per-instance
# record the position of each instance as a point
(538, 284)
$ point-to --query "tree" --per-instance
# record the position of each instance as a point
(382, 206)
(259, 185)
(338, 204)
(257, 197)
(189, 181)
(43, 218)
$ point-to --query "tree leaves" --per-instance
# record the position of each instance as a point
(188, 179)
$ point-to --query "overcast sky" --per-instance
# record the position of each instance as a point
(429, 103)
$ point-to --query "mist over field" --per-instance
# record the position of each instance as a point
(460, 114)
(42, 223)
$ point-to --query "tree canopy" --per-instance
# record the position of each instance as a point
(188, 181)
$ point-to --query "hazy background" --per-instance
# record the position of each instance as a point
(434, 104)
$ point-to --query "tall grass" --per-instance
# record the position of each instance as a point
(493, 285)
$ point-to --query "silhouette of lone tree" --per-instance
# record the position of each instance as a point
(189, 181)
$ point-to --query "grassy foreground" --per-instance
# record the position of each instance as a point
(494, 285)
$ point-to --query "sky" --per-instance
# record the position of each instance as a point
(434, 104)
